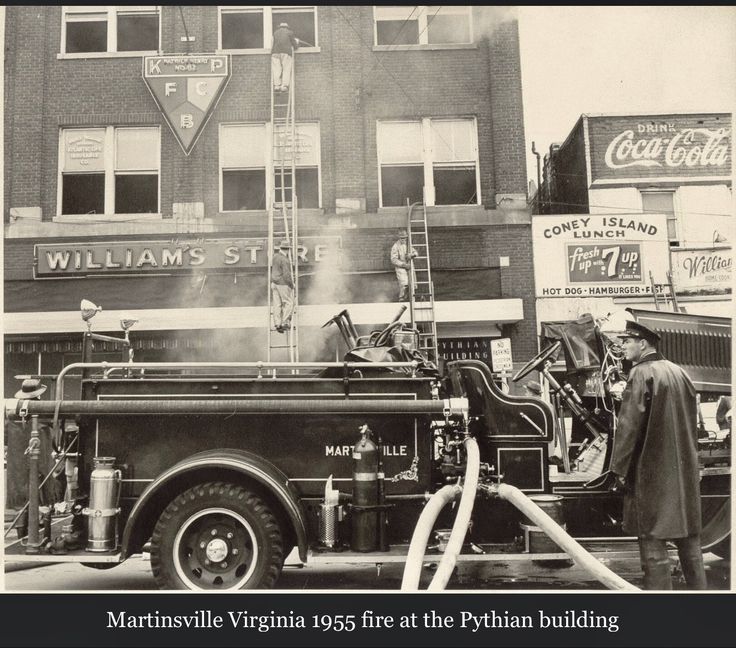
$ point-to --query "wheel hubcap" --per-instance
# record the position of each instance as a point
(215, 548)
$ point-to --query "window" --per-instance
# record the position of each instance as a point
(252, 27)
(88, 29)
(661, 202)
(422, 25)
(435, 160)
(245, 157)
(109, 171)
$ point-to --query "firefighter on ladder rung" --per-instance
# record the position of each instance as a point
(282, 288)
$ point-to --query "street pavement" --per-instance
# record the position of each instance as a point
(135, 574)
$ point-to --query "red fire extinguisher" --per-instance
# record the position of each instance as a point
(365, 494)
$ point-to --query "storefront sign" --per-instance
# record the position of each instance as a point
(586, 255)
(162, 257)
(471, 348)
(702, 271)
(501, 357)
(660, 146)
(186, 89)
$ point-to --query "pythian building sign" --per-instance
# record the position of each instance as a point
(162, 257)
(586, 255)
(186, 89)
(660, 146)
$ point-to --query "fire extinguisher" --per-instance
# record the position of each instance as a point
(365, 493)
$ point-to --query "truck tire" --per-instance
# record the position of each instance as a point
(216, 536)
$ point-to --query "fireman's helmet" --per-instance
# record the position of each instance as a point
(31, 388)
(285, 245)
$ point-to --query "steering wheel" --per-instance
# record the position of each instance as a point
(384, 335)
(537, 361)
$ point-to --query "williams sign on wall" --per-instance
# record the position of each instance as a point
(584, 255)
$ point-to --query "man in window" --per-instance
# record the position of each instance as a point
(401, 260)
(284, 44)
(282, 288)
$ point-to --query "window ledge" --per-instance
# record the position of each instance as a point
(107, 218)
(436, 46)
(262, 51)
(106, 55)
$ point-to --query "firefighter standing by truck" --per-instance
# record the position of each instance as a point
(655, 461)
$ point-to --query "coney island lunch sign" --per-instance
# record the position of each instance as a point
(662, 146)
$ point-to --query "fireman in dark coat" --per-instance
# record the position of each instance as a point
(655, 461)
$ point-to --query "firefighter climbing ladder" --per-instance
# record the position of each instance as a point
(664, 293)
(421, 287)
(282, 215)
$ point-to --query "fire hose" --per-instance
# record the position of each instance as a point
(418, 545)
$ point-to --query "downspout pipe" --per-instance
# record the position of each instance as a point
(556, 533)
(462, 518)
(539, 174)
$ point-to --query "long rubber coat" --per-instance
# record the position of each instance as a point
(656, 450)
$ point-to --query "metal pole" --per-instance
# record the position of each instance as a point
(34, 450)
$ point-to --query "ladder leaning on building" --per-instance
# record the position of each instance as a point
(282, 213)
(421, 287)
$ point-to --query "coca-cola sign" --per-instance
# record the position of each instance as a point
(697, 145)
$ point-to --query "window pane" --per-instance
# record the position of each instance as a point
(136, 194)
(86, 36)
(448, 29)
(658, 203)
(137, 32)
(244, 190)
(307, 187)
(307, 151)
(242, 30)
(397, 32)
(455, 186)
(83, 194)
(671, 228)
(400, 183)
(243, 145)
(452, 141)
(300, 22)
(400, 142)
(136, 149)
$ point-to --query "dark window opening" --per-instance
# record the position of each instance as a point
(307, 187)
(448, 29)
(243, 190)
(397, 32)
(400, 183)
(242, 30)
(137, 33)
(300, 22)
(136, 194)
(83, 193)
(86, 36)
(455, 186)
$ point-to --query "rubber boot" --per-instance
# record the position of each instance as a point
(656, 564)
(691, 560)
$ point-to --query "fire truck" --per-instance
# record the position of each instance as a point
(220, 470)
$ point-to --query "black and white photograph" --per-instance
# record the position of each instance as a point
(368, 298)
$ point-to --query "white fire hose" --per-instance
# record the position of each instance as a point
(418, 546)
(557, 534)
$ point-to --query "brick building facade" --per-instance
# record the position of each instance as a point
(362, 75)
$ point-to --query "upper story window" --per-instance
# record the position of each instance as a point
(662, 202)
(432, 160)
(252, 28)
(422, 25)
(245, 158)
(89, 29)
(109, 171)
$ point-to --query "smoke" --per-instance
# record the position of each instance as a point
(488, 19)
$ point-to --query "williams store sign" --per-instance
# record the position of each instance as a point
(165, 258)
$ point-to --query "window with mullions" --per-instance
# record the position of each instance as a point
(109, 171)
(89, 29)
(435, 160)
(244, 28)
(244, 161)
(422, 25)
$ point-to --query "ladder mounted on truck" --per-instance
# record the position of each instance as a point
(421, 287)
(282, 216)
(664, 293)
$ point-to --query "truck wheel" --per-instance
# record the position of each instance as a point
(216, 536)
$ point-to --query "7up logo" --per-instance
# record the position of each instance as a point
(186, 89)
